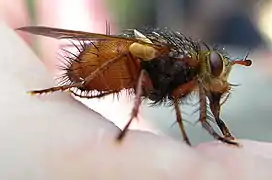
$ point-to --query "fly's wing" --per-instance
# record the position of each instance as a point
(77, 35)
(57, 33)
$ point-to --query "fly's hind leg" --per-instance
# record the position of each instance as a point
(203, 118)
(180, 123)
(87, 80)
(54, 89)
(103, 94)
(135, 109)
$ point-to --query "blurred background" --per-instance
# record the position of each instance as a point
(238, 25)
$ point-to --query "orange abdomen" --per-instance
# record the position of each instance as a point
(122, 74)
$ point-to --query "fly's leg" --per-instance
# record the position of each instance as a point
(222, 125)
(214, 98)
(180, 123)
(224, 129)
(54, 89)
(85, 81)
(180, 92)
(184, 89)
(135, 109)
(203, 118)
(93, 96)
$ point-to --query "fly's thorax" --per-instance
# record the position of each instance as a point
(215, 69)
(141, 50)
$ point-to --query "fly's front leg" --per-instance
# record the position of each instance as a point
(214, 98)
(203, 118)
(224, 129)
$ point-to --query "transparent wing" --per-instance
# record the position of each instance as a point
(78, 35)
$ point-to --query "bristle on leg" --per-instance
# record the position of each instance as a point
(54, 89)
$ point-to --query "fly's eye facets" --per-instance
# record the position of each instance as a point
(216, 64)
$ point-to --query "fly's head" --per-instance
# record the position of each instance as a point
(215, 69)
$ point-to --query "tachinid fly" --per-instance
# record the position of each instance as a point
(157, 64)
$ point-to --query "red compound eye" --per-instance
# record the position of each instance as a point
(216, 64)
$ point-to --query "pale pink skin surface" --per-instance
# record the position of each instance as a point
(56, 137)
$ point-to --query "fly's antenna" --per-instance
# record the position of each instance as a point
(245, 61)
